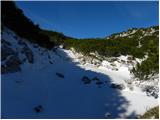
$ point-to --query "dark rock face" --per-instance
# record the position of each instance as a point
(12, 65)
(13, 54)
(6, 51)
(29, 54)
(10, 61)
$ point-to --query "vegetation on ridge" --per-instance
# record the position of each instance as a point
(133, 42)
(14, 18)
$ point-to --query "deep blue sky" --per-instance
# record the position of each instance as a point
(90, 19)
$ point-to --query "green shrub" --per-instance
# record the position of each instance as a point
(152, 113)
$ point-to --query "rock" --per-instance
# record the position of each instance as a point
(29, 54)
(151, 91)
(86, 80)
(96, 79)
(49, 57)
(123, 62)
(117, 86)
(6, 51)
(116, 69)
(13, 60)
(99, 83)
(38, 108)
(112, 64)
(130, 87)
(4, 42)
(60, 75)
(50, 62)
(12, 65)
(130, 58)
(107, 115)
(20, 42)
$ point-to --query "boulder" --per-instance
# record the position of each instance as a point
(117, 86)
(86, 80)
(38, 108)
(95, 79)
(60, 75)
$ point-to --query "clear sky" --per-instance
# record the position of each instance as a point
(91, 19)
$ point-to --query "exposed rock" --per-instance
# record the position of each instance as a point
(117, 86)
(6, 51)
(96, 79)
(12, 65)
(4, 42)
(123, 62)
(60, 75)
(107, 115)
(49, 57)
(20, 42)
(151, 91)
(86, 80)
(13, 60)
(28, 53)
(38, 108)
(50, 62)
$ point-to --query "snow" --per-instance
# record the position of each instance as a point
(38, 84)
(139, 44)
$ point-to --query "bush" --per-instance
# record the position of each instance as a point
(152, 113)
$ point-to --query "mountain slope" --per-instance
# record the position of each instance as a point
(89, 80)
(137, 43)
(52, 86)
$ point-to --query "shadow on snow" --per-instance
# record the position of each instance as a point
(68, 97)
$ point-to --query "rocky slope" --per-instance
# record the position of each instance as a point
(142, 32)
(59, 83)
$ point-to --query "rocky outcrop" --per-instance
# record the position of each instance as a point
(11, 65)
(6, 51)
(28, 53)
(9, 59)
(10, 55)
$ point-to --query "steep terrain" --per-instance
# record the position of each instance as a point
(142, 43)
(42, 83)
(46, 74)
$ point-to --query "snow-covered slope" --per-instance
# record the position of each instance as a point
(52, 84)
